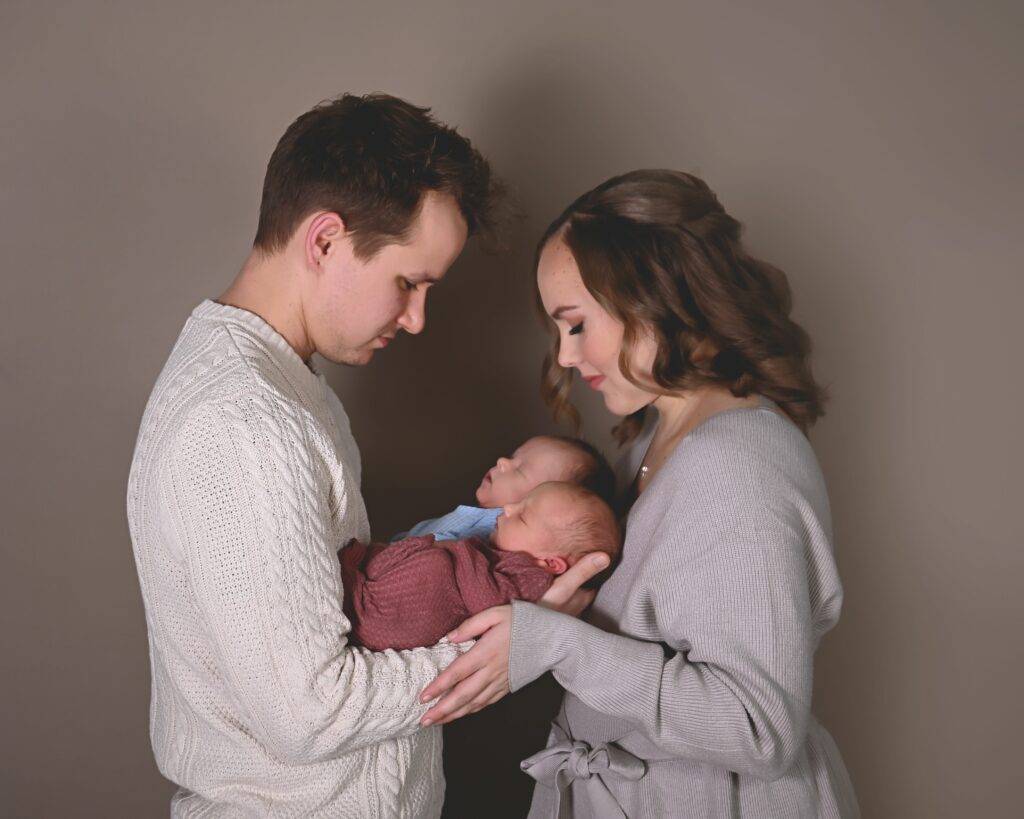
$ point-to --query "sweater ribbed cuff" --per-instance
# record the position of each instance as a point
(537, 641)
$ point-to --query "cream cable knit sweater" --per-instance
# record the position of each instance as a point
(244, 483)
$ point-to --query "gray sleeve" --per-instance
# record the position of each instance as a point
(727, 588)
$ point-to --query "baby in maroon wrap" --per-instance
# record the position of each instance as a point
(412, 592)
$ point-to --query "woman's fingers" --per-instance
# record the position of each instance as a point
(488, 696)
(473, 659)
(460, 696)
(477, 677)
(459, 669)
(475, 625)
(565, 586)
(579, 601)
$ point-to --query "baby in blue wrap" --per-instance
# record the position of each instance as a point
(539, 460)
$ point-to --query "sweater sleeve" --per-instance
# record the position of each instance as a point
(250, 508)
(730, 684)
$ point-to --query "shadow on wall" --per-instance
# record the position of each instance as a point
(433, 414)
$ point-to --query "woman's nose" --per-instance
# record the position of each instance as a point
(567, 357)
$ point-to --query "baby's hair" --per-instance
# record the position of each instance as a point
(592, 527)
(594, 472)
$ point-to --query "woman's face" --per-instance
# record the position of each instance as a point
(590, 338)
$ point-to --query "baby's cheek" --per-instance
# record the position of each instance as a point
(519, 488)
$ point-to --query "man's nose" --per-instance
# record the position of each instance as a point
(414, 318)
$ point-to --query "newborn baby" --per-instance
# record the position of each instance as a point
(539, 459)
(414, 591)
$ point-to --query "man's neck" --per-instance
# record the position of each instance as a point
(267, 286)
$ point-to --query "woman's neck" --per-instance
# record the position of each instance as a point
(682, 412)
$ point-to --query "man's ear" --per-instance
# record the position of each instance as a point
(555, 565)
(324, 233)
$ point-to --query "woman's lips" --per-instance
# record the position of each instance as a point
(595, 381)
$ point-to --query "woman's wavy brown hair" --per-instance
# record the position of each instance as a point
(660, 254)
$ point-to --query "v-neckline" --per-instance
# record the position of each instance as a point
(762, 404)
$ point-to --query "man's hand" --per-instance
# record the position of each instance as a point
(480, 676)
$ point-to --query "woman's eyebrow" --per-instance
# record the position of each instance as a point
(557, 312)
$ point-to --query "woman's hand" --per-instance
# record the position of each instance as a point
(480, 676)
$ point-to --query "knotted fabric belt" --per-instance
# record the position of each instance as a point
(559, 765)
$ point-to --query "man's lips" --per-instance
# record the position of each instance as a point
(384, 340)
(594, 381)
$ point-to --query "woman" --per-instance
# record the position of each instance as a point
(688, 683)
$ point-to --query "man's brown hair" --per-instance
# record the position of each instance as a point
(370, 159)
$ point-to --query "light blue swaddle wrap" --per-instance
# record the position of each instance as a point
(461, 523)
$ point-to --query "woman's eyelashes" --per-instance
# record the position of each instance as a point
(575, 330)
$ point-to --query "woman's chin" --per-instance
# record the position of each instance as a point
(623, 406)
(616, 406)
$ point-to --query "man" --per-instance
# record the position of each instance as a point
(246, 481)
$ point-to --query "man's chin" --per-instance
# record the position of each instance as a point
(354, 358)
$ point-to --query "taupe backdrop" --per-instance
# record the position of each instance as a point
(873, 150)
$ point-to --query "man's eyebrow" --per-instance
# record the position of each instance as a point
(557, 313)
(424, 277)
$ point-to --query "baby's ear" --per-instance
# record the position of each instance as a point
(555, 565)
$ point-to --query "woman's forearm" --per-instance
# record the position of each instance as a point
(734, 715)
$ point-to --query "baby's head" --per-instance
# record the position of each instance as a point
(541, 459)
(558, 523)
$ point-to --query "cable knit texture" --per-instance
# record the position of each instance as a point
(696, 657)
(244, 483)
(414, 591)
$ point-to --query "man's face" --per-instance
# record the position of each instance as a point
(535, 462)
(356, 307)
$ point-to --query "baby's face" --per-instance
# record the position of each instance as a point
(532, 525)
(535, 462)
